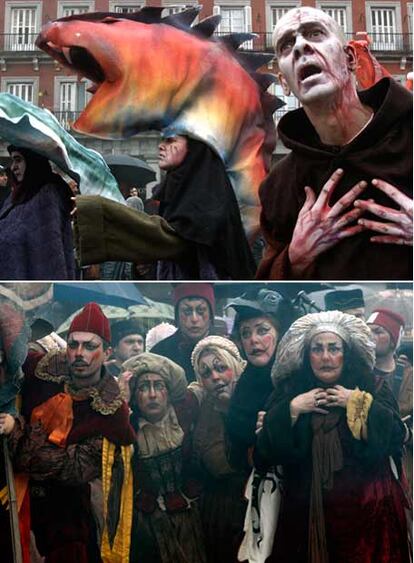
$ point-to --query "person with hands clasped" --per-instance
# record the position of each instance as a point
(339, 205)
(333, 434)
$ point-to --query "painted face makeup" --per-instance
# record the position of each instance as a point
(326, 354)
(172, 152)
(312, 59)
(129, 346)
(259, 338)
(217, 377)
(152, 397)
(86, 355)
(18, 166)
(194, 318)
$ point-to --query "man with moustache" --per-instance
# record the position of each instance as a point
(194, 315)
(74, 417)
(351, 153)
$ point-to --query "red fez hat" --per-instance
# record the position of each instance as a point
(392, 322)
(92, 319)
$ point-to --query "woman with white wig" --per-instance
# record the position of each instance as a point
(339, 444)
(218, 365)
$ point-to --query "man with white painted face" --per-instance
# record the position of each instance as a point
(339, 206)
(74, 417)
(194, 315)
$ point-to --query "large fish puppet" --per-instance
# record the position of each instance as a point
(159, 73)
(26, 125)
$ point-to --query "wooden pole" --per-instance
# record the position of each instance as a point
(14, 515)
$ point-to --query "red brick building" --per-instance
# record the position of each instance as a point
(31, 74)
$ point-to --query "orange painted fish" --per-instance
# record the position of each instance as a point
(159, 73)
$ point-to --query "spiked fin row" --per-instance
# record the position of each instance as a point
(250, 61)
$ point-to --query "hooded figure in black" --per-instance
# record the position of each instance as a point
(35, 222)
(198, 201)
(262, 317)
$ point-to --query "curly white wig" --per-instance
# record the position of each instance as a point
(291, 350)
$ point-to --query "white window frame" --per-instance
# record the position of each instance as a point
(169, 6)
(384, 44)
(410, 22)
(59, 80)
(270, 4)
(6, 81)
(234, 4)
(125, 4)
(345, 4)
(13, 4)
(64, 4)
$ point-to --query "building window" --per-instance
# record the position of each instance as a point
(384, 28)
(74, 11)
(339, 15)
(23, 90)
(235, 19)
(70, 99)
(273, 14)
(410, 23)
(277, 13)
(73, 8)
(177, 8)
(22, 28)
(124, 7)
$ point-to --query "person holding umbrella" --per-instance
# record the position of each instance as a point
(35, 221)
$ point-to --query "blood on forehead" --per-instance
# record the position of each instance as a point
(297, 17)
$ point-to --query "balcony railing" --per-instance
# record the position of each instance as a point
(380, 42)
(388, 42)
(19, 41)
(66, 118)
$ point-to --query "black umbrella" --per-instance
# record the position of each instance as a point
(130, 170)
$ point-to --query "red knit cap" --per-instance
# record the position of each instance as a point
(204, 290)
(91, 319)
(392, 322)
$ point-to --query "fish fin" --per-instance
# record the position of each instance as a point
(207, 27)
(184, 19)
(264, 79)
(234, 40)
(253, 61)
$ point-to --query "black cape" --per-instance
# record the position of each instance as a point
(198, 201)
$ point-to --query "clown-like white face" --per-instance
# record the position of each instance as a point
(216, 376)
(326, 354)
(152, 397)
(259, 338)
(194, 317)
(86, 355)
(313, 62)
